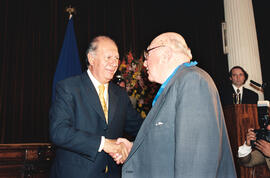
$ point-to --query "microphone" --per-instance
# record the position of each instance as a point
(257, 84)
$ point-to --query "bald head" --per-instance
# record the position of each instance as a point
(175, 41)
(165, 53)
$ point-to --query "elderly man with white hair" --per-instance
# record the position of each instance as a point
(184, 134)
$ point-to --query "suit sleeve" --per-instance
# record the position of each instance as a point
(197, 127)
(62, 126)
(253, 159)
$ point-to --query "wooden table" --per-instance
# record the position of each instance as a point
(31, 160)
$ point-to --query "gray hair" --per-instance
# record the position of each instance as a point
(181, 46)
(176, 42)
(94, 45)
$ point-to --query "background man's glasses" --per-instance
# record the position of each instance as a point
(146, 53)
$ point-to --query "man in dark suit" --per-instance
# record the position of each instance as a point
(236, 93)
(261, 153)
(84, 123)
(184, 134)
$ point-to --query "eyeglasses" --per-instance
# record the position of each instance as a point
(146, 53)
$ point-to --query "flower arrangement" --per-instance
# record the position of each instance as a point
(139, 88)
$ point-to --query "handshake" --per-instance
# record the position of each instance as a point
(118, 149)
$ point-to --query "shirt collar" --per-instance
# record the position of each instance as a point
(95, 82)
(187, 64)
(240, 88)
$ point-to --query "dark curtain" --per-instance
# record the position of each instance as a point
(261, 14)
(32, 33)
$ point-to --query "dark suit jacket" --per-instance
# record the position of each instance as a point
(255, 158)
(184, 134)
(226, 94)
(77, 123)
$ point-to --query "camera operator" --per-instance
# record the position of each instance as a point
(261, 153)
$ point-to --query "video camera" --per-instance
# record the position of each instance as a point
(264, 121)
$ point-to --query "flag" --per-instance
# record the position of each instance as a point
(68, 62)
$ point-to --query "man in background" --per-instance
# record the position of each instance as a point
(184, 134)
(235, 93)
(88, 114)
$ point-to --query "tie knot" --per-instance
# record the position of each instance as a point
(101, 88)
(238, 91)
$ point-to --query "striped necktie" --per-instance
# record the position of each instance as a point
(238, 96)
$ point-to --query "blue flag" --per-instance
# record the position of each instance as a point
(68, 62)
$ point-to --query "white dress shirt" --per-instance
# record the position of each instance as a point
(96, 84)
(244, 150)
(241, 90)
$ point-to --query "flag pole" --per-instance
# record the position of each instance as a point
(69, 61)
(71, 11)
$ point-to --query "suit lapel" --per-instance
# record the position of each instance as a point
(244, 95)
(152, 115)
(232, 95)
(232, 90)
(91, 95)
(113, 100)
(146, 125)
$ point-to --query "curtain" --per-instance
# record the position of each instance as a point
(261, 11)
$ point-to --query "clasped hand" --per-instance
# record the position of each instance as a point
(118, 149)
(261, 145)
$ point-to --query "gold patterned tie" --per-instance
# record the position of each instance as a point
(101, 89)
(238, 99)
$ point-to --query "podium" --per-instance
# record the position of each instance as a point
(239, 118)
